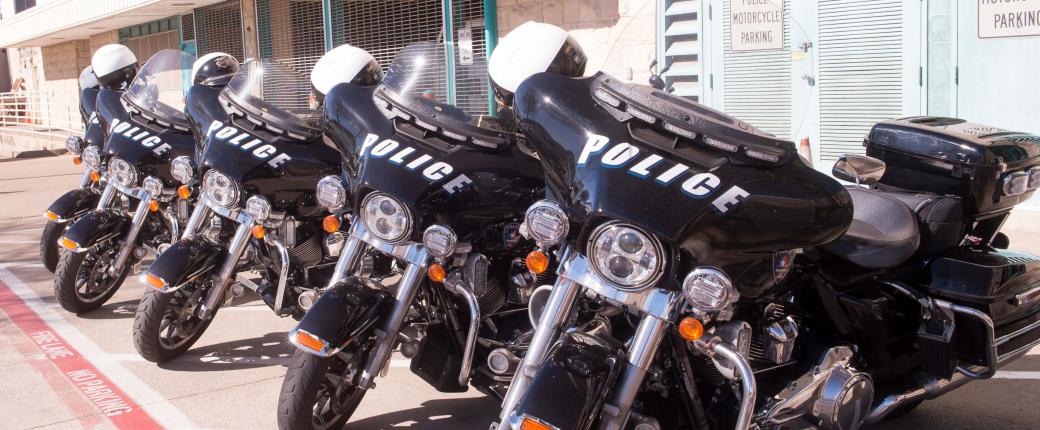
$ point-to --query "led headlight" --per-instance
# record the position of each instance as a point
(74, 144)
(1016, 183)
(440, 240)
(122, 172)
(1034, 178)
(182, 169)
(221, 189)
(331, 194)
(626, 256)
(546, 223)
(386, 217)
(153, 186)
(708, 289)
(92, 157)
(258, 208)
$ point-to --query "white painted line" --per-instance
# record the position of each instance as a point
(157, 406)
(12, 242)
(21, 264)
(250, 308)
(400, 363)
(1009, 374)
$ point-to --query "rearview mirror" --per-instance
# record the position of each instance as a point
(861, 169)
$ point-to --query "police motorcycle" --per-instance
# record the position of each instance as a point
(256, 226)
(81, 199)
(441, 192)
(707, 277)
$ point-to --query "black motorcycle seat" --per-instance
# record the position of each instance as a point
(883, 232)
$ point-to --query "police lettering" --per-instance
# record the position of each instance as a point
(696, 185)
(247, 143)
(136, 134)
(408, 157)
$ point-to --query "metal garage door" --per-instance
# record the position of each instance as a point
(218, 28)
(680, 46)
(861, 70)
(291, 32)
(757, 84)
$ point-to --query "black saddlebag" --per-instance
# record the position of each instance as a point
(1005, 285)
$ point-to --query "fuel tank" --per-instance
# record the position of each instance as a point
(441, 180)
(281, 168)
(145, 144)
(713, 186)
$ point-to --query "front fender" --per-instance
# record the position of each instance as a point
(72, 204)
(93, 228)
(186, 260)
(343, 314)
(571, 386)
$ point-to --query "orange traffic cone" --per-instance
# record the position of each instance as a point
(805, 150)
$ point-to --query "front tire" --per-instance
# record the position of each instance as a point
(167, 324)
(49, 251)
(82, 282)
(320, 393)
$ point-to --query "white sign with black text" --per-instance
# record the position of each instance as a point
(756, 25)
(1009, 18)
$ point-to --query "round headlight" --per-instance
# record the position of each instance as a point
(626, 256)
(708, 289)
(546, 223)
(221, 189)
(74, 144)
(440, 240)
(1016, 183)
(182, 169)
(153, 186)
(122, 172)
(386, 217)
(331, 193)
(258, 208)
(92, 157)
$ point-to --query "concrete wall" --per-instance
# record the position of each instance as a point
(619, 36)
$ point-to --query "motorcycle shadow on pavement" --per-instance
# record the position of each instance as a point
(271, 349)
(460, 413)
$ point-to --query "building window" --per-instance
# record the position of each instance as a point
(21, 5)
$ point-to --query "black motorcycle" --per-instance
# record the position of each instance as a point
(709, 278)
(430, 262)
(85, 150)
(135, 213)
(261, 156)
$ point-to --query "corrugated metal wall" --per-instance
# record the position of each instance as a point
(471, 80)
(291, 31)
(218, 28)
(861, 70)
(681, 46)
(757, 84)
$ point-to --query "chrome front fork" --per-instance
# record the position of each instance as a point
(227, 270)
(641, 352)
(130, 242)
(386, 335)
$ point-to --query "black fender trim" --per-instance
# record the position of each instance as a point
(343, 314)
(569, 389)
(95, 227)
(186, 260)
(73, 203)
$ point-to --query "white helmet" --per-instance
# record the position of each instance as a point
(114, 65)
(87, 79)
(345, 64)
(532, 48)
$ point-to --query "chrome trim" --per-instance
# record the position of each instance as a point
(577, 268)
(283, 274)
(1026, 297)
(654, 241)
(747, 379)
(460, 289)
(130, 242)
(641, 351)
(224, 277)
(198, 216)
(85, 179)
(107, 195)
(352, 251)
(413, 253)
(174, 225)
(387, 333)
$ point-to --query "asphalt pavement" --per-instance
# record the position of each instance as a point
(63, 371)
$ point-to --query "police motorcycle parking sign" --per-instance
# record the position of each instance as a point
(756, 25)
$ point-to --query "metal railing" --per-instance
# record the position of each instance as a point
(39, 114)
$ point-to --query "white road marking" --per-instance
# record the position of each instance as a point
(160, 409)
(21, 264)
(18, 241)
(1016, 374)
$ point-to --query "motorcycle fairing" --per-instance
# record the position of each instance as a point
(74, 203)
(203, 107)
(186, 260)
(146, 145)
(350, 116)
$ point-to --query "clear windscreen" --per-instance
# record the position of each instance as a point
(278, 93)
(162, 83)
(418, 80)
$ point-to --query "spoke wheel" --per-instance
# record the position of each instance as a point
(168, 324)
(321, 393)
(84, 281)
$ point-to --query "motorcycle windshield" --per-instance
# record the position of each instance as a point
(276, 94)
(161, 85)
(417, 83)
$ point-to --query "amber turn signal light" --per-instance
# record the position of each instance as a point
(95, 176)
(77, 160)
(309, 341)
(68, 244)
(530, 424)
(691, 329)
(258, 231)
(330, 224)
(537, 262)
(154, 281)
(153, 206)
(436, 273)
(183, 191)
(50, 215)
